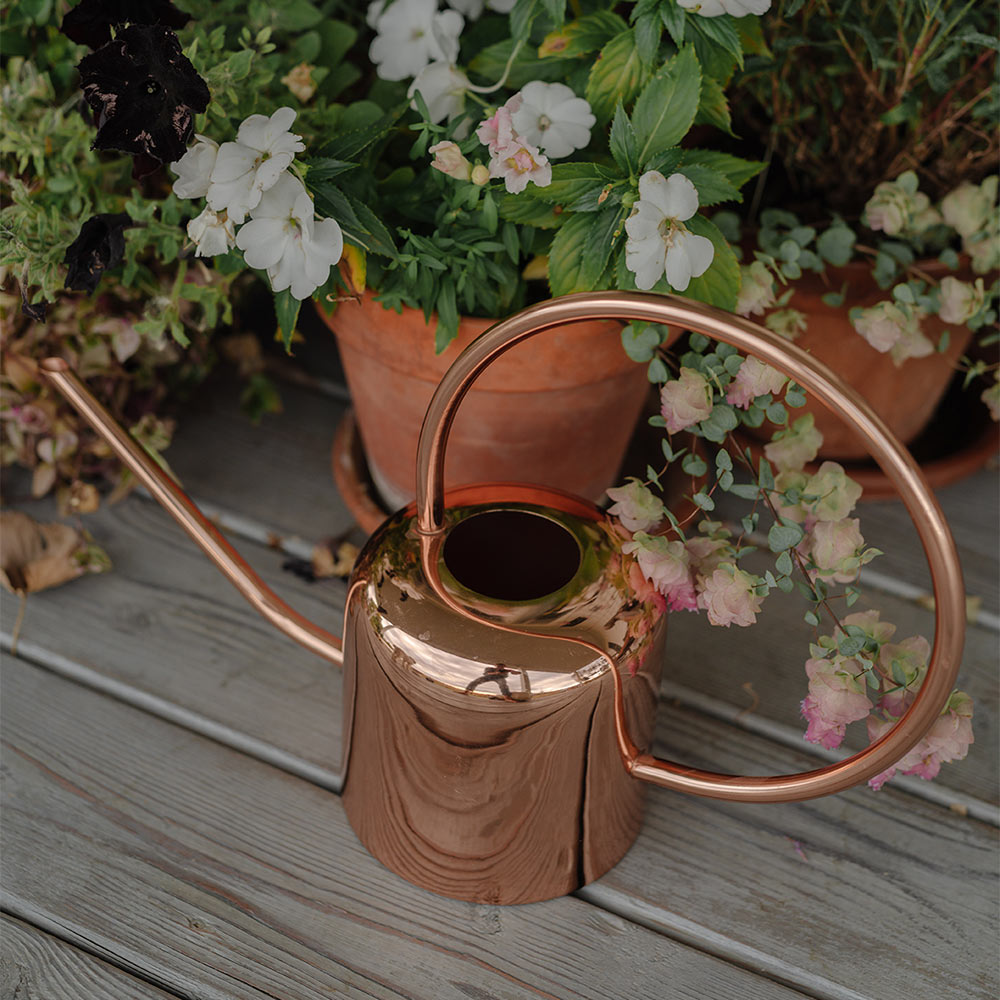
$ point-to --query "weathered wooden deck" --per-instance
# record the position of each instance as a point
(171, 823)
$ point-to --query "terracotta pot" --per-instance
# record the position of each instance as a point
(557, 410)
(904, 396)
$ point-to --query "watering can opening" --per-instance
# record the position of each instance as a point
(511, 555)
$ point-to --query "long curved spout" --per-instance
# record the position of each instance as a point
(183, 510)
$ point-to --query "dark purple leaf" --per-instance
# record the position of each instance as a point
(144, 94)
(100, 246)
(90, 22)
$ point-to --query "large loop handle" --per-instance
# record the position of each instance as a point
(824, 385)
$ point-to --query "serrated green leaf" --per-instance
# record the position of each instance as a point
(713, 106)
(351, 144)
(673, 18)
(603, 232)
(584, 35)
(712, 186)
(648, 30)
(566, 254)
(622, 141)
(615, 76)
(666, 107)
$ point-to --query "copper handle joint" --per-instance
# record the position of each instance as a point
(824, 385)
(180, 506)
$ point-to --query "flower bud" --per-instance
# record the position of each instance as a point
(480, 174)
(449, 160)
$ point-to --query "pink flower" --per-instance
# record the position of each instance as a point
(753, 379)
(869, 622)
(637, 507)
(835, 491)
(643, 589)
(729, 596)
(794, 446)
(836, 698)
(707, 554)
(517, 163)
(836, 550)
(948, 739)
(666, 565)
(686, 400)
(497, 132)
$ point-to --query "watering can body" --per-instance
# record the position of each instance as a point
(502, 653)
(482, 762)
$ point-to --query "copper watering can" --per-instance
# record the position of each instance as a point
(500, 677)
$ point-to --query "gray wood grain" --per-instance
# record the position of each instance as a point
(37, 966)
(872, 892)
(165, 625)
(207, 869)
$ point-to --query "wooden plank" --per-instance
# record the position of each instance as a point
(166, 630)
(180, 635)
(867, 892)
(37, 966)
(227, 878)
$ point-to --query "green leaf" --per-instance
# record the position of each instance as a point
(693, 465)
(836, 245)
(765, 477)
(640, 341)
(296, 15)
(783, 564)
(584, 35)
(718, 423)
(722, 32)
(784, 536)
(667, 105)
(704, 501)
(522, 16)
(811, 618)
(623, 142)
(673, 18)
(324, 168)
(720, 284)
(712, 186)
(351, 144)
(575, 186)
(745, 491)
(615, 76)
(287, 310)
(566, 254)
(657, 372)
(648, 30)
(723, 460)
(713, 106)
(447, 310)
(531, 212)
(603, 232)
(556, 10)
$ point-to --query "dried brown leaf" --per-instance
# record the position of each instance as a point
(36, 556)
(325, 563)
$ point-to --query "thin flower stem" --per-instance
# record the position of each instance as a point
(506, 72)
(796, 556)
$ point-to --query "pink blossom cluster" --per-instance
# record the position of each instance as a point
(511, 156)
(698, 574)
(841, 689)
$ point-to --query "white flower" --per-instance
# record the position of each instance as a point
(411, 34)
(657, 242)
(283, 238)
(194, 168)
(245, 169)
(551, 117)
(756, 290)
(212, 234)
(714, 8)
(443, 88)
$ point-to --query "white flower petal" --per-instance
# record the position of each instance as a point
(270, 170)
(235, 197)
(278, 202)
(233, 160)
(645, 259)
(678, 267)
(700, 251)
(263, 242)
(681, 198)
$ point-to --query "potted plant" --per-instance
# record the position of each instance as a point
(872, 236)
